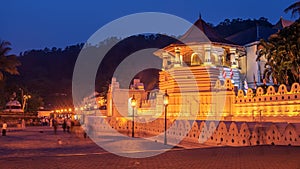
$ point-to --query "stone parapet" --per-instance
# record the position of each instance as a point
(227, 133)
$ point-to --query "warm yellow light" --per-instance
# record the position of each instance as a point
(166, 98)
(133, 101)
(70, 109)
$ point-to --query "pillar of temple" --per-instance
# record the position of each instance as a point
(207, 53)
(233, 58)
(177, 57)
(165, 56)
(258, 72)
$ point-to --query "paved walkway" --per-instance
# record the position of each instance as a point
(38, 148)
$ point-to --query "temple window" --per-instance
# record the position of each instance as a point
(214, 59)
(195, 60)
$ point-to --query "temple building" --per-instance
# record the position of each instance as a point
(194, 64)
(202, 50)
(204, 77)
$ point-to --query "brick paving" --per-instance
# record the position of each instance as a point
(38, 148)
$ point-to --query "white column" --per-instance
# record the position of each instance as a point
(177, 57)
(258, 72)
(165, 57)
(233, 58)
(207, 49)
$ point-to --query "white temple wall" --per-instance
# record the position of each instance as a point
(251, 64)
(203, 132)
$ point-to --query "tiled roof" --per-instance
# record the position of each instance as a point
(196, 34)
(251, 35)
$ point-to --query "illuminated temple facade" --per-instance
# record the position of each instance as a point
(204, 78)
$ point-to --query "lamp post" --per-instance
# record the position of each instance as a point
(25, 98)
(166, 102)
(133, 104)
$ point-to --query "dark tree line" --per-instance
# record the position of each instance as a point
(48, 72)
(229, 27)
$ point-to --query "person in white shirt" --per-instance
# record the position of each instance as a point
(4, 127)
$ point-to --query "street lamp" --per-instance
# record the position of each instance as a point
(133, 104)
(166, 102)
(25, 98)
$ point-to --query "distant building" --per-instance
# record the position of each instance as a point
(118, 100)
(13, 106)
(251, 66)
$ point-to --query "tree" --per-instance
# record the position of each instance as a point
(230, 27)
(294, 8)
(34, 103)
(8, 62)
(282, 52)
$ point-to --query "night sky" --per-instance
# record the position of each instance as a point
(35, 24)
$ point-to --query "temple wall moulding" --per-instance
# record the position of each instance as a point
(214, 133)
(260, 91)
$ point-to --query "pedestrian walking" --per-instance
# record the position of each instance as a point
(43, 122)
(69, 125)
(54, 123)
(64, 125)
(4, 127)
(51, 122)
(46, 122)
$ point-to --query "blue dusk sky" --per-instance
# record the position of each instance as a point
(36, 24)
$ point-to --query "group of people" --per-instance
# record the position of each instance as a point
(45, 121)
(66, 125)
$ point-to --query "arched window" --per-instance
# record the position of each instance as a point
(196, 59)
(214, 59)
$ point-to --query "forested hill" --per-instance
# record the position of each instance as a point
(230, 27)
(48, 72)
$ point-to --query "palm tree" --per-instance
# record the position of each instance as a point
(8, 62)
(282, 52)
(295, 8)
